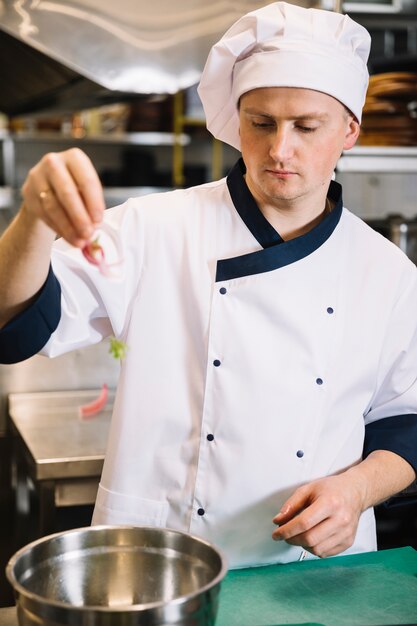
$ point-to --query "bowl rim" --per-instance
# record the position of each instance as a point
(30, 595)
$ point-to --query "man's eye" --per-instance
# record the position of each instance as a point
(262, 124)
(306, 129)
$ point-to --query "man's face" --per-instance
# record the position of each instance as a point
(291, 140)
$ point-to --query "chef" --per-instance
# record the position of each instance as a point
(269, 388)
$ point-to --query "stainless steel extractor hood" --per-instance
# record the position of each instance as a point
(67, 55)
(59, 55)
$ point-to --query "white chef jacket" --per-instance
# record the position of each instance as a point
(253, 363)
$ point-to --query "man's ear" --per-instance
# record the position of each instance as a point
(352, 133)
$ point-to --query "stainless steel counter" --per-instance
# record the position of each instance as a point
(58, 452)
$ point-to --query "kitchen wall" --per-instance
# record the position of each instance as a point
(377, 195)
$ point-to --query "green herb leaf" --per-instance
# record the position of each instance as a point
(117, 348)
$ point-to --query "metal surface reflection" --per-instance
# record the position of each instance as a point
(135, 47)
(108, 575)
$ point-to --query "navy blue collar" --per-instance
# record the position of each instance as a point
(276, 252)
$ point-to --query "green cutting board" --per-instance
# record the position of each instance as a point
(372, 589)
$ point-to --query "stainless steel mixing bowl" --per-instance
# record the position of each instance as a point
(117, 576)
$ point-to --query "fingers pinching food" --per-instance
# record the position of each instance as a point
(64, 191)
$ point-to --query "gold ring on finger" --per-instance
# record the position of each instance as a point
(43, 194)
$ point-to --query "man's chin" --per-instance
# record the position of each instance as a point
(284, 192)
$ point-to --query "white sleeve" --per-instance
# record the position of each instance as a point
(391, 421)
(396, 384)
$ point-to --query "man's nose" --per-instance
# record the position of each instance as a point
(281, 148)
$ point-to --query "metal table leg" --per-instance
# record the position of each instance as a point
(47, 509)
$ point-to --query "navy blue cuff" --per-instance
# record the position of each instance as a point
(29, 331)
(397, 434)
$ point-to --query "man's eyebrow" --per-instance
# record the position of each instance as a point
(312, 116)
(304, 116)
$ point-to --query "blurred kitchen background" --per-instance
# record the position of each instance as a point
(119, 81)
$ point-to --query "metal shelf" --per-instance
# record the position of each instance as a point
(388, 159)
(382, 151)
(117, 195)
(10, 141)
(139, 138)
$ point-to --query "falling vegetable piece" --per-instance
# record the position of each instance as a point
(94, 252)
(118, 348)
(94, 407)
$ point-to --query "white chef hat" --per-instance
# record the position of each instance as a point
(284, 45)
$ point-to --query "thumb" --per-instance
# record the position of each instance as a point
(292, 507)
